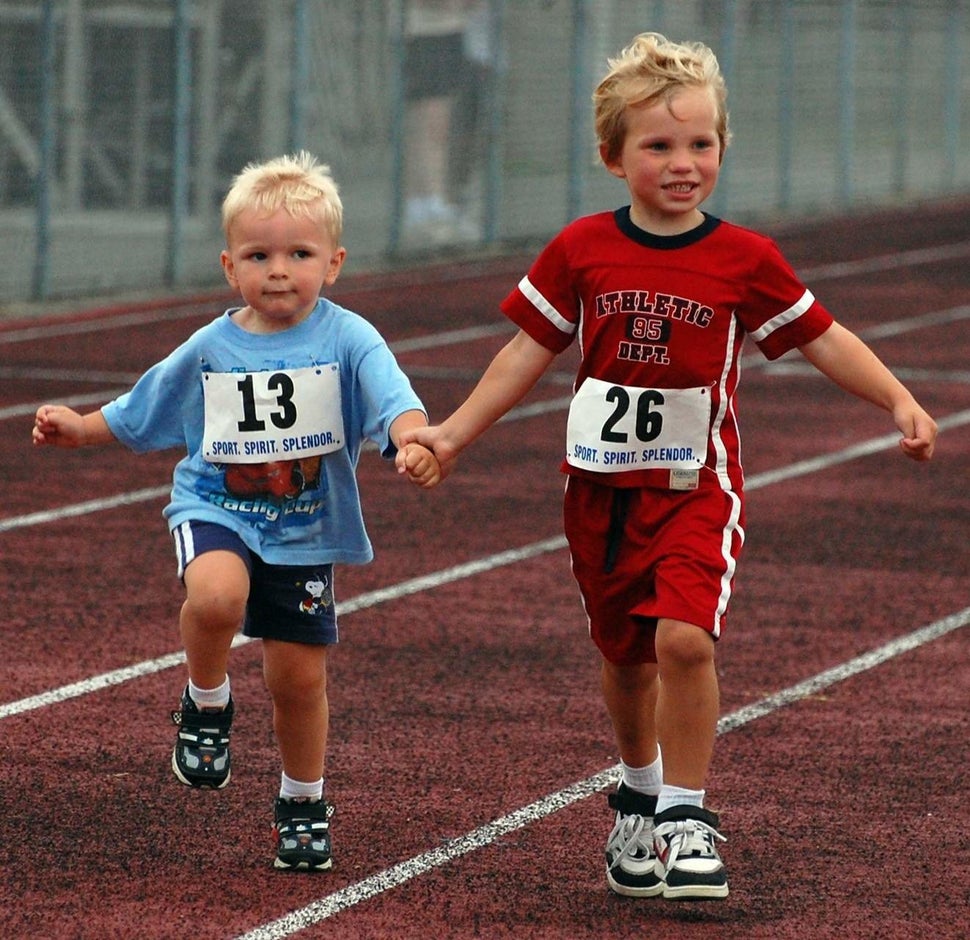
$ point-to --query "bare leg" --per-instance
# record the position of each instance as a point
(217, 586)
(688, 703)
(427, 147)
(630, 693)
(296, 676)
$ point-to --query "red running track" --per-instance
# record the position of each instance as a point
(469, 748)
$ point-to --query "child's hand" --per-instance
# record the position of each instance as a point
(420, 465)
(919, 433)
(430, 437)
(58, 426)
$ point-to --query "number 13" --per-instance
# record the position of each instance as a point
(284, 418)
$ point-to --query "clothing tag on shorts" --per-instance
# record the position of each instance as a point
(684, 479)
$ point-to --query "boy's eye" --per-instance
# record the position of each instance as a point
(301, 253)
(257, 256)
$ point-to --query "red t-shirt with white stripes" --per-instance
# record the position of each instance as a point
(661, 313)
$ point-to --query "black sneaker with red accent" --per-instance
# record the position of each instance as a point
(302, 832)
(201, 754)
(685, 839)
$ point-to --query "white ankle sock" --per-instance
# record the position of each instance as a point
(291, 789)
(210, 698)
(647, 779)
(678, 796)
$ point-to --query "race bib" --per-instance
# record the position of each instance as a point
(255, 417)
(612, 428)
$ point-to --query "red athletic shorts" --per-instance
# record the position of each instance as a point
(641, 554)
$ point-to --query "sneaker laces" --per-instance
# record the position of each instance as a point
(631, 837)
(689, 837)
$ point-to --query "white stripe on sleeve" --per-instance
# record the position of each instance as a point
(545, 308)
(785, 317)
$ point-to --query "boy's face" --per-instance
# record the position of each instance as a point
(670, 159)
(279, 263)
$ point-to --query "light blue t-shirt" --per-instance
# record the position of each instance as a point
(290, 512)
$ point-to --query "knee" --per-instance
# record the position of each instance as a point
(216, 591)
(683, 645)
(629, 680)
(294, 673)
(218, 609)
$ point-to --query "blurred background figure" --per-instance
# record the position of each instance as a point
(449, 66)
(470, 115)
(433, 63)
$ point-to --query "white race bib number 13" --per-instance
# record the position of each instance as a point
(612, 428)
(255, 417)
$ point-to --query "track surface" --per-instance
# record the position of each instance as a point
(469, 747)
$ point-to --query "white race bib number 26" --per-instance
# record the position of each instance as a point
(256, 417)
(612, 428)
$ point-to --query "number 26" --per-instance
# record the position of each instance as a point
(649, 422)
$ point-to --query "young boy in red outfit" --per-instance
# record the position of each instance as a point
(660, 296)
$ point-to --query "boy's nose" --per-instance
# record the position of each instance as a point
(681, 160)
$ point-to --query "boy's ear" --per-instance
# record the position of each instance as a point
(336, 263)
(228, 268)
(611, 165)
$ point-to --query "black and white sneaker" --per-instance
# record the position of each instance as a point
(630, 858)
(201, 754)
(302, 832)
(685, 840)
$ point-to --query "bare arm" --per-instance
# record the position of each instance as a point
(511, 374)
(850, 363)
(59, 426)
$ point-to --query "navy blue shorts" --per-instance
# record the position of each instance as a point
(286, 602)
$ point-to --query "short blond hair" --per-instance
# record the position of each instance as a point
(651, 69)
(297, 183)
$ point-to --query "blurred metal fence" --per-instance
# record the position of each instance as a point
(122, 121)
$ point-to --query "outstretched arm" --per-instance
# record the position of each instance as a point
(60, 426)
(511, 374)
(851, 364)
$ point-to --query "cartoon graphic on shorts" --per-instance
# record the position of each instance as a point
(319, 596)
(277, 479)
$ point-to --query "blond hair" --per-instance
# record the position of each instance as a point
(652, 69)
(297, 183)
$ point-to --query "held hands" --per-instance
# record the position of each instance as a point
(419, 463)
(430, 439)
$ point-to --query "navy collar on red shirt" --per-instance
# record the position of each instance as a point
(665, 242)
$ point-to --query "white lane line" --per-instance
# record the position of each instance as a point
(468, 271)
(862, 449)
(888, 262)
(361, 602)
(354, 894)
(485, 835)
(83, 509)
(786, 365)
(72, 401)
(417, 343)
(811, 465)
(403, 588)
(110, 321)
